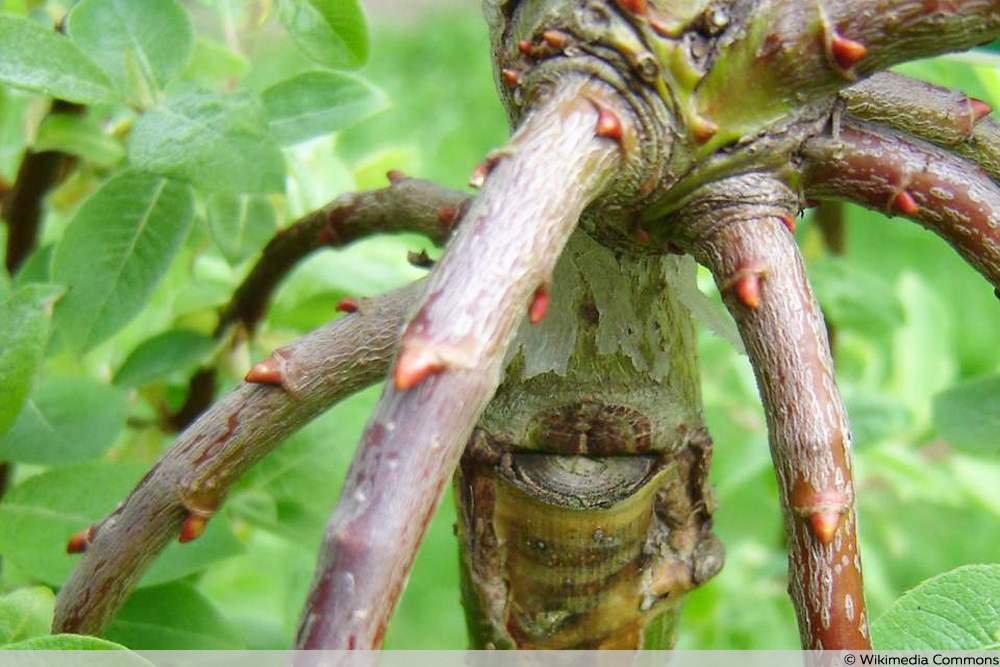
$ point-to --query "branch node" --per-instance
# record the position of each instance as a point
(539, 305)
(80, 540)
(414, 365)
(347, 305)
(267, 372)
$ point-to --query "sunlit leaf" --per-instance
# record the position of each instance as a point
(331, 32)
(317, 103)
(114, 252)
(66, 420)
(955, 611)
(216, 142)
(38, 58)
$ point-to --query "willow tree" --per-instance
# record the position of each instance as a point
(547, 364)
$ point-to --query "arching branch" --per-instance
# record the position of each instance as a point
(898, 175)
(189, 483)
(760, 273)
(939, 115)
(407, 205)
(495, 271)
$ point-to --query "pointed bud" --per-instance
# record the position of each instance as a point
(824, 524)
(702, 129)
(266, 372)
(395, 176)
(415, 365)
(511, 77)
(609, 124)
(556, 39)
(447, 216)
(539, 305)
(788, 220)
(633, 6)
(192, 528)
(525, 47)
(979, 108)
(846, 52)
(641, 235)
(747, 288)
(325, 236)
(347, 305)
(421, 259)
(80, 540)
(905, 203)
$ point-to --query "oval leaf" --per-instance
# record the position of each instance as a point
(140, 45)
(160, 356)
(26, 613)
(171, 617)
(38, 58)
(114, 252)
(66, 420)
(80, 136)
(955, 611)
(317, 103)
(217, 142)
(968, 416)
(241, 224)
(331, 32)
(40, 514)
(24, 331)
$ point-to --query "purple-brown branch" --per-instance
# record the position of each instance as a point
(452, 352)
(899, 175)
(407, 205)
(761, 275)
(189, 482)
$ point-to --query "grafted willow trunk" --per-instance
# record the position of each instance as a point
(642, 129)
(584, 509)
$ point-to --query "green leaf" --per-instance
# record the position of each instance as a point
(317, 103)
(40, 59)
(68, 643)
(955, 611)
(140, 45)
(217, 142)
(114, 252)
(26, 613)
(80, 136)
(331, 32)
(162, 355)
(854, 298)
(174, 617)
(241, 224)
(24, 331)
(66, 420)
(41, 513)
(213, 66)
(968, 415)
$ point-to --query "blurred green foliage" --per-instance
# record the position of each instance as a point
(917, 351)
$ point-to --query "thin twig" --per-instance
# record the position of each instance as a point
(897, 175)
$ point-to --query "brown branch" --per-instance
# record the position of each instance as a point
(453, 348)
(21, 206)
(795, 51)
(941, 116)
(902, 176)
(407, 205)
(189, 482)
(761, 275)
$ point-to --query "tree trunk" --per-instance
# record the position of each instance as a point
(584, 509)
